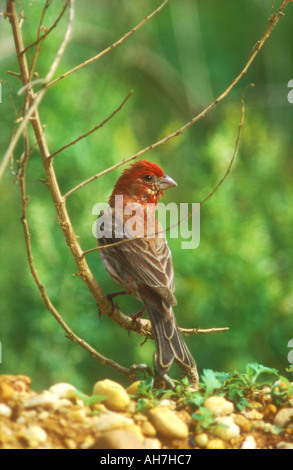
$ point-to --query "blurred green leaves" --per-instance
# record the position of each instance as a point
(240, 276)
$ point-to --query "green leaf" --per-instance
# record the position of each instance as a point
(254, 371)
(210, 380)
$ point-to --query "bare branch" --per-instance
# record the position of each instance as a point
(272, 23)
(92, 130)
(11, 13)
(40, 38)
(110, 48)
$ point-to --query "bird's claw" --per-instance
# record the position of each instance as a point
(140, 367)
(164, 379)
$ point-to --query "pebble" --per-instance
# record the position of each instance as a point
(148, 429)
(117, 397)
(118, 439)
(5, 410)
(62, 390)
(11, 384)
(226, 428)
(259, 425)
(133, 388)
(254, 415)
(201, 439)
(34, 435)
(215, 444)
(167, 423)
(219, 405)
(6, 392)
(284, 417)
(242, 422)
(44, 400)
(152, 444)
(248, 443)
(270, 411)
(285, 445)
(112, 421)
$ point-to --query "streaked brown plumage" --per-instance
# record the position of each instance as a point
(143, 267)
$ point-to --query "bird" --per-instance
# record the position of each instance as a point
(142, 265)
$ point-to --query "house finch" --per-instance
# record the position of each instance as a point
(142, 266)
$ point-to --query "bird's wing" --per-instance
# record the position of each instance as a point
(148, 261)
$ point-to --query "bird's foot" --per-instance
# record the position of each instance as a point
(163, 381)
(139, 368)
(110, 297)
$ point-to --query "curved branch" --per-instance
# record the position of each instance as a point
(272, 23)
(110, 48)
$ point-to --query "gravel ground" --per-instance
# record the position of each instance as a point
(63, 418)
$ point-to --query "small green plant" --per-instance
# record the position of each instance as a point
(238, 387)
(150, 396)
(89, 401)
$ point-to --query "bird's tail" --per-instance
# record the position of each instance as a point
(169, 342)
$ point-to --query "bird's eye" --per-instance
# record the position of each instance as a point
(148, 178)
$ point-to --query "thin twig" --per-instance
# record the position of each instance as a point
(40, 38)
(273, 21)
(200, 331)
(93, 130)
(110, 48)
(25, 75)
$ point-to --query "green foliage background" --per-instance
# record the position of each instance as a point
(179, 62)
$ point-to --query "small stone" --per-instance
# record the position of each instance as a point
(34, 435)
(111, 421)
(70, 444)
(249, 443)
(219, 405)
(62, 390)
(226, 428)
(88, 442)
(78, 415)
(169, 403)
(283, 417)
(260, 425)
(152, 444)
(167, 423)
(242, 422)
(133, 388)
(116, 396)
(5, 410)
(284, 445)
(118, 439)
(254, 415)
(270, 411)
(43, 415)
(215, 444)
(44, 400)
(139, 417)
(6, 392)
(18, 383)
(201, 439)
(148, 429)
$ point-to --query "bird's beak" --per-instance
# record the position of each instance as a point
(167, 182)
